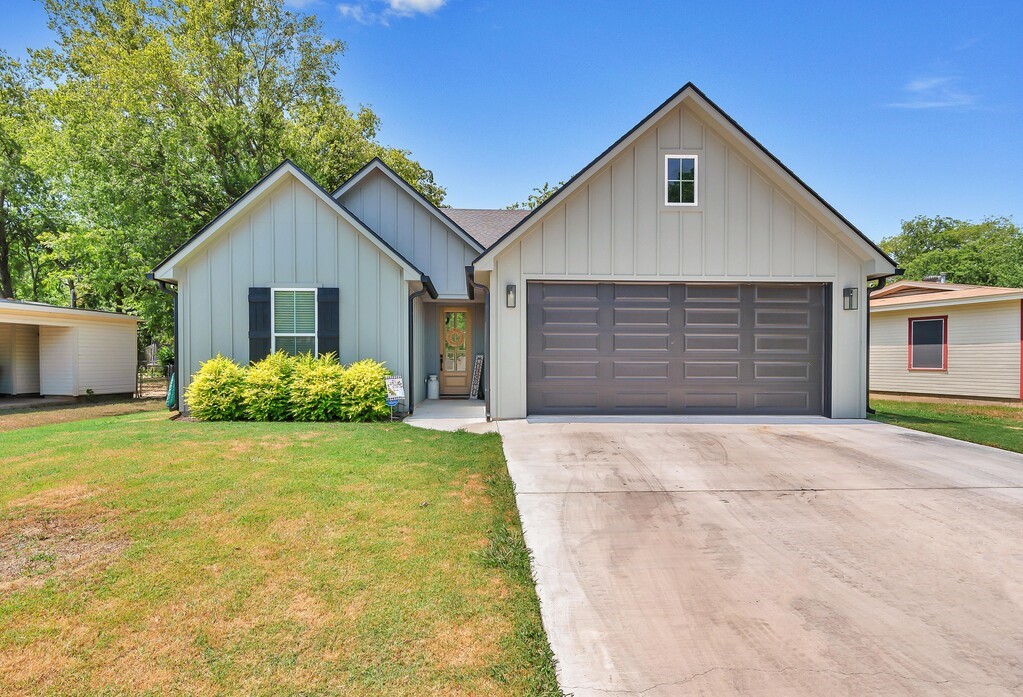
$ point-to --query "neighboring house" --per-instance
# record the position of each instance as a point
(51, 350)
(684, 271)
(946, 339)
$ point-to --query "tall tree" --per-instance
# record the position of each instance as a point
(23, 197)
(164, 111)
(989, 252)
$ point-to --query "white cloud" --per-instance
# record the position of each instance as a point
(934, 92)
(382, 11)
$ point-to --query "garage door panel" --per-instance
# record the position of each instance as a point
(609, 348)
(711, 317)
(706, 292)
(778, 293)
(649, 293)
(641, 342)
(798, 319)
(570, 342)
(646, 316)
(641, 370)
(781, 343)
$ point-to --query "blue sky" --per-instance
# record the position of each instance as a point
(888, 109)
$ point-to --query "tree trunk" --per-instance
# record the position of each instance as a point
(6, 284)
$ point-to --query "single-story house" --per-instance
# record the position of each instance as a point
(947, 340)
(685, 270)
(50, 350)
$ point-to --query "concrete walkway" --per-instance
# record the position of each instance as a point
(773, 559)
(452, 415)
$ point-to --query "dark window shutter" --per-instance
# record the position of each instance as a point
(328, 328)
(260, 323)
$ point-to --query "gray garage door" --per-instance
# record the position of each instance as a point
(612, 348)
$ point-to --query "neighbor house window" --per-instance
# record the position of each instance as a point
(294, 313)
(928, 343)
(680, 178)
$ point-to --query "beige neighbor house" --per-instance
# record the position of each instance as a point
(946, 339)
(684, 271)
(61, 351)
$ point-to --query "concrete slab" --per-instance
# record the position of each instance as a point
(452, 415)
(773, 559)
(18, 402)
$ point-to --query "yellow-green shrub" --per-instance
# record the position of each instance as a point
(363, 393)
(316, 388)
(267, 390)
(215, 393)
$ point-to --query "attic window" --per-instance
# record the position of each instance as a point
(680, 180)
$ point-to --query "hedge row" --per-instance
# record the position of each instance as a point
(289, 388)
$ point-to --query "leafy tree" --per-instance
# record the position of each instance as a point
(539, 195)
(162, 112)
(25, 204)
(989, 252)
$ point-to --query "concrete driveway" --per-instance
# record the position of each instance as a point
(816, 559)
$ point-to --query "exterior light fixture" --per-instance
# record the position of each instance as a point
(850, 298)
(510, 296)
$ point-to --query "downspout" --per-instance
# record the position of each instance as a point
(882, 281)
(165, 287)
(427, 288)
(471, 286)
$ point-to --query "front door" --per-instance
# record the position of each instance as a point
(455, 349)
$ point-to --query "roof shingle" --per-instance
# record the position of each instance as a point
(485, 226)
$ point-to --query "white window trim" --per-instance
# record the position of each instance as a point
(696, 180)
(316, 319)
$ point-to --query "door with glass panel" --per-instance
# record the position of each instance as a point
(455, 351)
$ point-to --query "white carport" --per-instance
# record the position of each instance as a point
(50, 350)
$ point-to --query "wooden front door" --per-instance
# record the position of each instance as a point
(455, 351)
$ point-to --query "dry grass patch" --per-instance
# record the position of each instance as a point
(14, 419)
(174, 557)
(55, 533)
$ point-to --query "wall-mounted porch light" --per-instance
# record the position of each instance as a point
(509, 299)
(850, 298)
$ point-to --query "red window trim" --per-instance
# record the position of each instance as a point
(944, 345)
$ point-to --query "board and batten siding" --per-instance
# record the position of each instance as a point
(291, 238)
(616, 227)
(413, 230)
(983, 351)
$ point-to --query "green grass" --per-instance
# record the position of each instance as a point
(998, 426)
(144, 556)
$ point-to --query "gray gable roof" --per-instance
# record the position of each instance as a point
(485, 226)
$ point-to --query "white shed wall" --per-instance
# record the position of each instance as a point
(26, 359)
(57, 364)
(616, 227)
(290, 238)
(107, 358)
(6, 358)
(413, 230)
(983, 352)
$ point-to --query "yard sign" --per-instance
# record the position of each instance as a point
(477, 373)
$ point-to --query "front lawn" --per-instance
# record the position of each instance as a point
(1001, 427)
(141, 555)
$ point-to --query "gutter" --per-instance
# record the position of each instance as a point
(428, 287)
(882, 281)
(165, 287)
(471, 287)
